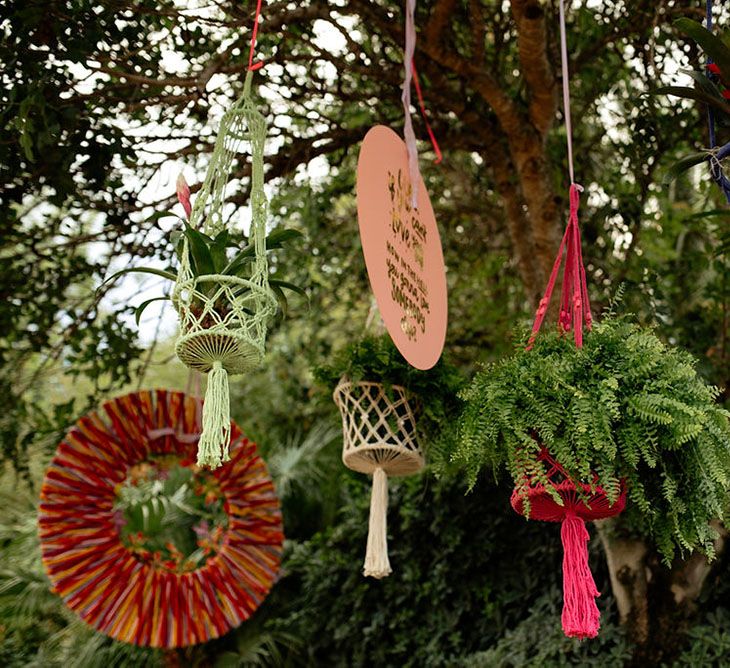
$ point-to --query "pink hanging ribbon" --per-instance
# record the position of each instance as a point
(411, 75)
(575, 307)
(408, 134)
(566, 89)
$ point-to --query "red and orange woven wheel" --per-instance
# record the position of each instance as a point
(101, 580)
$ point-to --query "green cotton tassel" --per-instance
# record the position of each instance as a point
(216, 435)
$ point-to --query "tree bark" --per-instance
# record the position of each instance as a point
(655, 602)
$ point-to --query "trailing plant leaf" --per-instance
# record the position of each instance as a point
(141, 308)
(279, 237)
(141, 270)
(703, 82)
(287, 286)
(239, 263)
(625, 406)
(281, 299)
(712, 45)
(695, 94)
(218, 251)
(683, 164)
(200, 253)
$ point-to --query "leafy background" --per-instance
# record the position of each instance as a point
(103, 103)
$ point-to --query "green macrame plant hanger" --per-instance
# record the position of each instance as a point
(223, 319)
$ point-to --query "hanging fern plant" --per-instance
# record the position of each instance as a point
(389, 411)
(376, 359)
(625, 409)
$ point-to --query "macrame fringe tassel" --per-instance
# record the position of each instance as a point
(377, 564)
(216, 435)
(581, 618)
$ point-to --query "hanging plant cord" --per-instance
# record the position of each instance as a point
(552, 495)
(717, 154)
(224, 318)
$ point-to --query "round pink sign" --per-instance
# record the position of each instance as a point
(402, 249)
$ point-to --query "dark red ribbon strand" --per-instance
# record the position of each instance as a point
(251, 65)
(422, 106)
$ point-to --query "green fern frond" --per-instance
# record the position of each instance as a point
(624, 407)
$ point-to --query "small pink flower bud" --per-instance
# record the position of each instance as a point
(183, 194)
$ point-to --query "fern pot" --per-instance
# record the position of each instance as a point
(222, 331)
(379, 438)
(559, 499)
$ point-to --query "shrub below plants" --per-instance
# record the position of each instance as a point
(465, 568)
(538, 641)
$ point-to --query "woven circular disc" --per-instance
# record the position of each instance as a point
(594, 505)
(200, 349)
(102, 580)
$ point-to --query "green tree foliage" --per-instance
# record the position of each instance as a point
(103, 104)
(96, 114)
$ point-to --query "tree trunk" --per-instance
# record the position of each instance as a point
(655, 602)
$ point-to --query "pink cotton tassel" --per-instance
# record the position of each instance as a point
(581, 618)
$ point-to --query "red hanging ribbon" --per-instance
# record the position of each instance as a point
(575, 306)
(251, 65)
(422, 106)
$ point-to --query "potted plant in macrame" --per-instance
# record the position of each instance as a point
(585, 422)
(224, 298)
(390, 412)
(625, 416)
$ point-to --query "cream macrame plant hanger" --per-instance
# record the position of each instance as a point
(223, 319)
(379, 438)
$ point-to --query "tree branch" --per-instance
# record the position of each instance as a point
(532, 45)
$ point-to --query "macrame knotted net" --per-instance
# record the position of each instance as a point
(578, 504)
(379, 438)
(536, 497)
(223, 319)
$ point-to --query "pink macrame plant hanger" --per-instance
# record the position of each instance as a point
(581, 617)
(581, 501)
